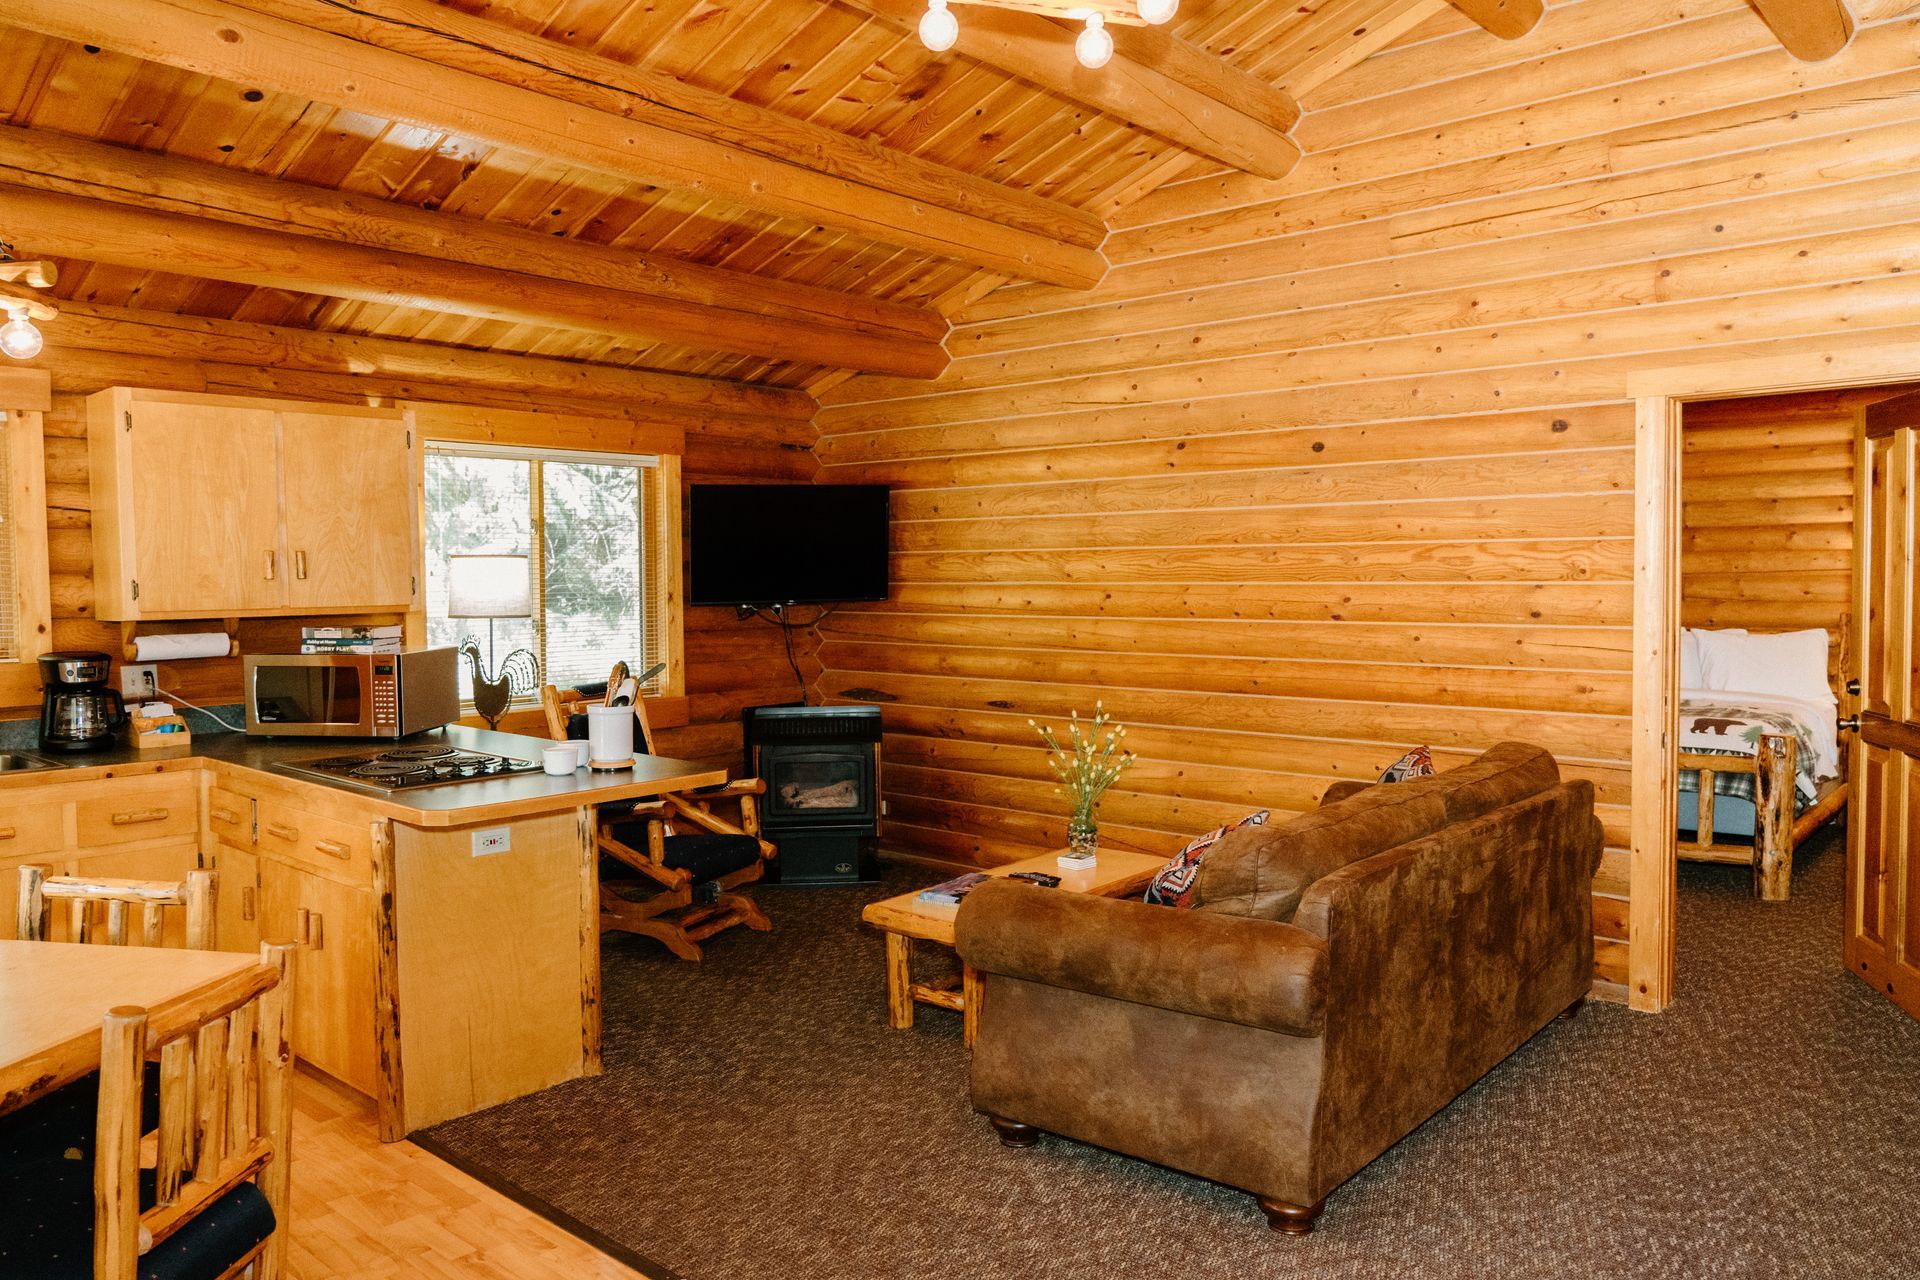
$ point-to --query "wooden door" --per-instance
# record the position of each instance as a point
(202, 499)
(333, 982)
(349, 492)
(1883, 839)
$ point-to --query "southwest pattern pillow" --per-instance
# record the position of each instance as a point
(1417, 763)
(1172, 885)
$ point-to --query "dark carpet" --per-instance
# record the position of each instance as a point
(758, 1118)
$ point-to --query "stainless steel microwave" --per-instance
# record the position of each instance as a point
(351, 695)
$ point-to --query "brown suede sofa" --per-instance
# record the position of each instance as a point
(1339, 979)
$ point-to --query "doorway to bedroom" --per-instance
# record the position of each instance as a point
(1766, 651)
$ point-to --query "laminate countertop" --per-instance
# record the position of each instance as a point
(448, 805)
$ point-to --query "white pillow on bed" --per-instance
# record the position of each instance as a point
(1790, 664)
(1693, 672)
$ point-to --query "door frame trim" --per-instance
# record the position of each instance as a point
(1658, 396)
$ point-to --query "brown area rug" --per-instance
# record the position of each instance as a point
(759, 1119)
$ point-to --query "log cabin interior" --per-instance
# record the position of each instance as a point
(540, 538)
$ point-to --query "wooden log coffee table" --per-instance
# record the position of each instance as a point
(904, 919)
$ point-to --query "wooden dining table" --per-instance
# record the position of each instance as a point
(54, 996)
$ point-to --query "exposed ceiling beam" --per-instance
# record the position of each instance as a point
(664, 291)
(156, 333)
(1811, 30)
(75, 227)
(1155, 82)
(625, 133)
(1508, 19)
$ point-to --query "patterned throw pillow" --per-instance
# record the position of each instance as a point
(1417, 763)
(1172, 884)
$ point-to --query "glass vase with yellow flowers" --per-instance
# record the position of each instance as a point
(1089, 759)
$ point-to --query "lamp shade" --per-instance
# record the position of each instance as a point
(489, 587)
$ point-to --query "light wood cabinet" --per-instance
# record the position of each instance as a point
(333, 978)
(142, 828)
(215, 506)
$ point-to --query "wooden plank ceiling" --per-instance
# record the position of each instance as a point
(417, 219)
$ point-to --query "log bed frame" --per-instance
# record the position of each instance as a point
(1776, 831)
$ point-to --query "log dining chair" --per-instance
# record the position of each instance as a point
(212, 1201)
(671, 868)
(39, 891)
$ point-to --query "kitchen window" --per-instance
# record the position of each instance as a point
(588, 524)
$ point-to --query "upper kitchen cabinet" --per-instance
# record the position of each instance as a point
(210, 506)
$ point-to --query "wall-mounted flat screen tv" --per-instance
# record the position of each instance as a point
(761, 544)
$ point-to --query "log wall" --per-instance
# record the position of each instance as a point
(1336, 465)
(729, 663)
(1766, 510)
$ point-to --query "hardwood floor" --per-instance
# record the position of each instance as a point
(367, 1210)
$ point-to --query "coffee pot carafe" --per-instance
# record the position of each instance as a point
(78, 712)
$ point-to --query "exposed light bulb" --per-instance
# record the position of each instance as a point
(938, 28)
(1156, 12)
(1094, 46)
(18, 337)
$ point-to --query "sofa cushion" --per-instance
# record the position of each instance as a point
(1505, 774)
(1417, 763)
(1172, 884)
(1262, 871)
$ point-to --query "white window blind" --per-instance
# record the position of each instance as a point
(584, 521)
(9, 559)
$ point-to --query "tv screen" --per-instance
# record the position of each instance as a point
(787, 543)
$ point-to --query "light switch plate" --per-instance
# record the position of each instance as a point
(492, 840)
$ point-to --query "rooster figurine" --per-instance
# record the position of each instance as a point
(519, 674)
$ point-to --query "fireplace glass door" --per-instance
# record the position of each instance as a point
(824, 785)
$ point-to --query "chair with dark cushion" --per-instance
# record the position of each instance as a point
(75, 1203)
(672, 868)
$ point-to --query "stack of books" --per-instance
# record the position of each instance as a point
(350, 639)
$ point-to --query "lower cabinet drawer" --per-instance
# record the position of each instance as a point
(338, 850)
(138, 809)
(33, 823)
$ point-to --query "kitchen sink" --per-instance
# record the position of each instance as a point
(18, 762)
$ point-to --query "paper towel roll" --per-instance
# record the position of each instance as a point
(193, 644)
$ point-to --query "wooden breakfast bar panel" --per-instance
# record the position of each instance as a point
(53, 996)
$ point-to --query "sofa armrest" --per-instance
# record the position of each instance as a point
(1258, 973)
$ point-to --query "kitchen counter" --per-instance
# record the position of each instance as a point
(450, 935)
(450, 805)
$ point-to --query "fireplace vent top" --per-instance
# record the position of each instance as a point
(767, 726)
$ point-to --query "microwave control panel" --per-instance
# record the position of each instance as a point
(386, 698)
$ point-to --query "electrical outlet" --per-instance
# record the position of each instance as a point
(139, 680)
(491, 840)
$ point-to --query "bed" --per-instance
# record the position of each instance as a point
(1761, 765)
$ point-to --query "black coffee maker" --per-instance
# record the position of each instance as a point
(77, 710)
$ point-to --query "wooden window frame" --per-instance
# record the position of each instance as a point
(517, 429)
(1659, 396)
(25, 442)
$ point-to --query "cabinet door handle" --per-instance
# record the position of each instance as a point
(313, 930)
(333, 848)
(281, 831)
(300, 564)
(227, 816)
(139, 816)
(270, 566)
(246, 903)
(6, 833)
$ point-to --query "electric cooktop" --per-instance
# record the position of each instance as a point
(405, 768)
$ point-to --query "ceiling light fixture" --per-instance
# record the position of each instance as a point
(20, 338)
(1093, 47)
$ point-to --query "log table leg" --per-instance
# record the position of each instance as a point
(899, 981)
(970, 995)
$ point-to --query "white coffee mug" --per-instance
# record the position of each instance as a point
(560, 759)
(609, 737)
